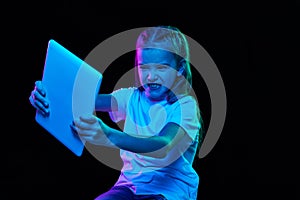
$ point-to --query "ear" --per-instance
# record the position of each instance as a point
(181, 70)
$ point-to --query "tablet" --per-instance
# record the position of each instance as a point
(72, 86)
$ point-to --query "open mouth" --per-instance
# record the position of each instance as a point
(154, 86)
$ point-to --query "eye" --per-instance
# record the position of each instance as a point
(162, 67)
(142, 67)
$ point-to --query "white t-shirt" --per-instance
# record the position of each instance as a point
(172, 176)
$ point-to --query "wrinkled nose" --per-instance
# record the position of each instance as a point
(152, 76)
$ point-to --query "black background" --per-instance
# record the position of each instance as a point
(255, 47)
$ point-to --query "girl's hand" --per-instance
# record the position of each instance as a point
(39, 100)
(91, 129)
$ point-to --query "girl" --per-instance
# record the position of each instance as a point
(162, 121)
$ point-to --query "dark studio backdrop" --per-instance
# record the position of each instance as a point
(251, 44)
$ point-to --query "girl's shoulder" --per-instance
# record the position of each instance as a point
(186, 102)
(187, 99)
(123, 90)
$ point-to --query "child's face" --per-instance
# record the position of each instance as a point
(157, 72)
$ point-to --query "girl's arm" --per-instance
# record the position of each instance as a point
(93, 130)
(106, 103)
(154, 146)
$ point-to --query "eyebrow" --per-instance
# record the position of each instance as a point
(167, 64)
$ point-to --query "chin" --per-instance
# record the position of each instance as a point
(156, 97)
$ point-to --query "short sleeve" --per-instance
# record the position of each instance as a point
(122, 97)
(187, 115)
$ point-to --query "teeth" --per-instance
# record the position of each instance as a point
(153, 85)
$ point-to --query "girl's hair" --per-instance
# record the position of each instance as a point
(170, 39)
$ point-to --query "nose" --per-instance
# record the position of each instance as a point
(151, 76)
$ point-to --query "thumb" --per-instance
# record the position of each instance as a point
(89, 118)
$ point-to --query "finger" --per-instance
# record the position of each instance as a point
(88, 119)
(86, 138)
(73, 129)
(44, 111)
(77, 131)
(39, 101)
(40, 88)
(81, 125)
(32, 102)
(39, 106)
(38, 97)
